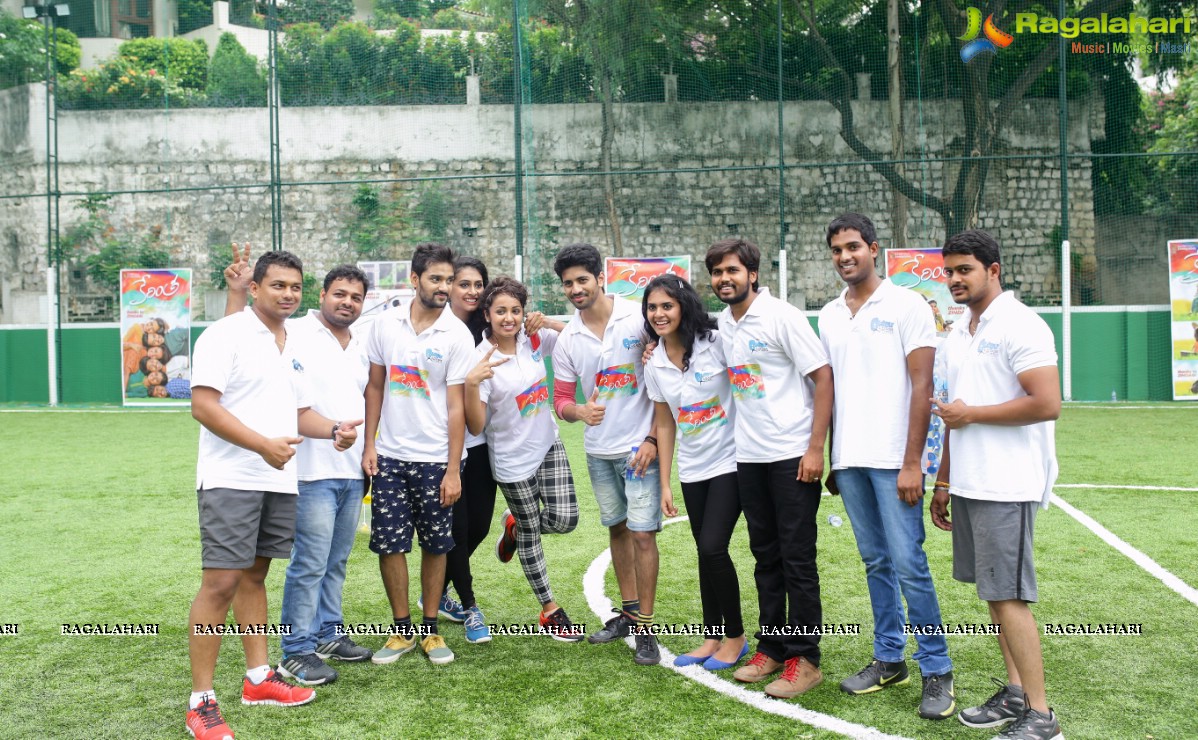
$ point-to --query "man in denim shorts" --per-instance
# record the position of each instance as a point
(998, 467)
(601, 347)
(419, 357)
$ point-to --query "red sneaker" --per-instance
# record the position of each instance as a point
(505, 548)
(275, 691)
(206, 723)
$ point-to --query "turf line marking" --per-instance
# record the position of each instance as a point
(601, 605)
(1183, 589)
(1107, 406)
(175, 410)
(1119, 487)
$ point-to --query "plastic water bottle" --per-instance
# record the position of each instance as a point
(630, 473)
(1114, 396)
(835, 520)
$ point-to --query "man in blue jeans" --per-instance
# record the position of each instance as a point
(881, 340)
(333, 356)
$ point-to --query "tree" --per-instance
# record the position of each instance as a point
(1173, 120)
(327, 13)
(23, 51)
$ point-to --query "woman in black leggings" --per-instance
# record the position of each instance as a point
(687, 378)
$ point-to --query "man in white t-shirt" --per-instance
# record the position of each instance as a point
(782, 390)
(419, 357)
(601, 348)
(881, 341)
(333, 353)
(999, 465)
(250, 395)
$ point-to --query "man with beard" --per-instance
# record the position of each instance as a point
(330, 484)
(782, 390)
(419, 358)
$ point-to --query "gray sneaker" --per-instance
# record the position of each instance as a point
(618, 627)
(343, 649)
(306, 670)
(939, 701)
(1033, 726)
(876, 676)
(1005, 706)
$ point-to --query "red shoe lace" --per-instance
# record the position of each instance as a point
(758, 659)
(791, 671)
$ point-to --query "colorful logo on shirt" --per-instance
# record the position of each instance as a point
(409, 380)
(296, 366)
(878, 325)
(747, 383)
(757, 346)
(433, 355)
(631, 342)
(533, 399)
(702, 378)
(989, 348)
(619, 380)
(534, 341)
(701, 417)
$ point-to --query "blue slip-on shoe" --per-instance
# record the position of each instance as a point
(712, 664)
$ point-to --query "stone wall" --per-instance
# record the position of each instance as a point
(702, 172)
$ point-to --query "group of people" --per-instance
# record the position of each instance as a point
(454, 403)
(155, 359)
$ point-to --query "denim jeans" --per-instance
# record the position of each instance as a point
(637, 502)
(890, 537)
(326, 522)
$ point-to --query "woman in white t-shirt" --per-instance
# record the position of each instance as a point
(687, 378)
(507, 395)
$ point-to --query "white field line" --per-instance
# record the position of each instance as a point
(1186, 591)
(593, 588)
(1116, 486)
(1119, 406)
(48, 410)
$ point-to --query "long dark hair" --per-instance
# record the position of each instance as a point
(695, 321)
(475, 322)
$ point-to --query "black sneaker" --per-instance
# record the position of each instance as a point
(647, 652)
(1005, 706)
(876, 676)
(344, 649)
(939, 701)
(1034, 725)
(558, 626)
(307, 670)
(617, 627)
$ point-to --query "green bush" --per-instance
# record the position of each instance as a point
(234, 77)
(105, 251)
(181, 60)
(327, 13)
(23, 51)
(119, 83)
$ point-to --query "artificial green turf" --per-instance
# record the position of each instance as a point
(97, 524)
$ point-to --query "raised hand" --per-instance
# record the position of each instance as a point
(485, 368)
(591, 413)
(238, 274)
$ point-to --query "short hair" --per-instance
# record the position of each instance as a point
(585, 256)
(280, 258)
(976, 243)
(162, 327)
(145, 339)
(430, 253)
(745, 250)
(695, 321)
(145, 361)
(502, 285)
(352, 273)
(465, 261)
(855, 221)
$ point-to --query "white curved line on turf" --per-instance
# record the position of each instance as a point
(593, 589)
(1186, 591)
(1118, 487)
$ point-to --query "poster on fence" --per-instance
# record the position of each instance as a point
(626, 277)
(390, 286)
(922, 270)
(1183, 317)
(156, 337)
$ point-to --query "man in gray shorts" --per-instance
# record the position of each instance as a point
(251, 399)
(1005, 395)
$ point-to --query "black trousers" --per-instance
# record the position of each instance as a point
(713, 506)
(471, 521)
(780, 512)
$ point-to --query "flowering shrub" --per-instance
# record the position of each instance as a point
(118, 83)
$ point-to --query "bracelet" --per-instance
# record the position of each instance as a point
(941, 484)
(333, 434)
(651, 438)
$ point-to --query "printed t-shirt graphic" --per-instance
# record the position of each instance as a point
(700, 417)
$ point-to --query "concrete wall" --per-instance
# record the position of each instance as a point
(698, 173)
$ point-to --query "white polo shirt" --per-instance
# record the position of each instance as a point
(337, 378)
(770, 352)
(987, 461)
(868, 353)
(262, 387)
(520, 425)
(613, 364)
(701, 401)
(414, 425)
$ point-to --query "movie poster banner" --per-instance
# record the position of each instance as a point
(156, 337)
(626, 277)
(1183, 316)
(922, 270)
(390, 286)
